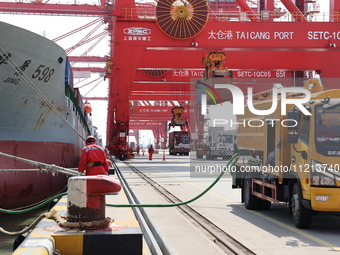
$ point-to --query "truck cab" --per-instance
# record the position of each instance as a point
(179, 143)
(315, 154)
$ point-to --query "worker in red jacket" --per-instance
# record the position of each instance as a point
(151, 151)
(93, 158)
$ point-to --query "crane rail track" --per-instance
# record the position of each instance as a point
(221, 238)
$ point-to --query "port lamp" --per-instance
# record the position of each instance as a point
(321, 198)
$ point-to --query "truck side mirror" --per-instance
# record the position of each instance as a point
(294, 116)
(292, 137)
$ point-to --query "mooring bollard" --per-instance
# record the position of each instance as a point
(86, 197)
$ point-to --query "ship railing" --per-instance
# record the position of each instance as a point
(76, 108)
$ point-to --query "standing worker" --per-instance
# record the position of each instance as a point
(93, 158)
(137, 150)
(151, 151)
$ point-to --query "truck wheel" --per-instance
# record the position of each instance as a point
(251, 202)
(302, 216)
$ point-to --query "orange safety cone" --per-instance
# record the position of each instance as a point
(163, 155)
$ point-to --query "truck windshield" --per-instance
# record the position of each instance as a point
(186, 140)
(327, 130)
(227, 139)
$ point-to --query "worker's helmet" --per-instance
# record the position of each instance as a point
(90, 140)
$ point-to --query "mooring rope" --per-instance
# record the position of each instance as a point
(62, 222)
(43, 166)
(30, 227)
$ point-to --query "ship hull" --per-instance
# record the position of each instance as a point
(38, 120)
(27, 187)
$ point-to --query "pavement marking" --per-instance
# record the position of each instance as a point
(296, 230)
(293, 229)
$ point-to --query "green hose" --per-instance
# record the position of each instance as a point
(231, 162)
(32, 208)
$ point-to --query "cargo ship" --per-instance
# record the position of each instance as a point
(42, 117)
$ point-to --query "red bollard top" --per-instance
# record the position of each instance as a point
(99, 184)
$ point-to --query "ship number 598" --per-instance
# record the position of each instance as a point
(43, 73)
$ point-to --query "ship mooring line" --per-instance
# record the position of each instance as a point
(30, 227)
(43, 166)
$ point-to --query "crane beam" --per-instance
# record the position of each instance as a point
(87, 59)
(89, 69)
(56, 9)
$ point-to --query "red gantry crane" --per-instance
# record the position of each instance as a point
(157, 48)
(174, 36)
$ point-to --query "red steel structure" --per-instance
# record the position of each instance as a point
(157, 48)
(176, 35)
(150, 117)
